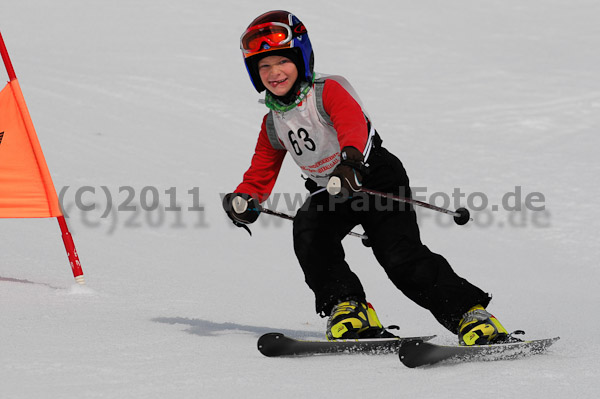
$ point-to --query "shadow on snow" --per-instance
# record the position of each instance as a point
(23, 281)
(207, 328)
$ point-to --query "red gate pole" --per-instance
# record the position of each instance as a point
(66, 235)
(6, 59)
(71, 250)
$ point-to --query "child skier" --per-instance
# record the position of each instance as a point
(321, 123)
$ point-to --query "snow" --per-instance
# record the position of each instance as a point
(128, 96)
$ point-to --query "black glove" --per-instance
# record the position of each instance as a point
(242, 209)
(346, 178)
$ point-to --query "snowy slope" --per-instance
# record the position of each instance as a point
(129, 97)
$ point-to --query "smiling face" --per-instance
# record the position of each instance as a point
(278, 74)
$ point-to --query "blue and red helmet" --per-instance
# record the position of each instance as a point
(277, 31)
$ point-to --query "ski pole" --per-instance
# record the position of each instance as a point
(461, 215)
(290, 217)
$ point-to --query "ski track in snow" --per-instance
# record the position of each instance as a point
(483, 97)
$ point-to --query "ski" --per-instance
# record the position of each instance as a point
(277, 344)
(418, 353)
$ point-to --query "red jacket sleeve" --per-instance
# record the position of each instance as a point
(347, 116)
(260, 178)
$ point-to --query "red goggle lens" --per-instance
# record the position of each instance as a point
(273, 34)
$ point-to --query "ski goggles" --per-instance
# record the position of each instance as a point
(275, 35)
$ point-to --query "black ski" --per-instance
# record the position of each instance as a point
(418, 353)
(277, 344)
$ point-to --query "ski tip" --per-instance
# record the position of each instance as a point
(407, 348)
(268, 344)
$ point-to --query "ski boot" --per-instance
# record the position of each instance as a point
(479, 327)
(355, 320)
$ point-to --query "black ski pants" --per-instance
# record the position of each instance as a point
(423, 276)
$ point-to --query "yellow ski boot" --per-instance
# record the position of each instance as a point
(355, 320)
(479, 327)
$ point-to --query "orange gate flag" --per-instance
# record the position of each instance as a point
(26, 188)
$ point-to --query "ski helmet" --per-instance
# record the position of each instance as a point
(278, 31)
